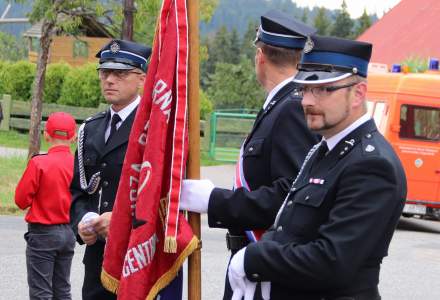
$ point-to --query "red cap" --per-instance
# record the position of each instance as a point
(61, 125)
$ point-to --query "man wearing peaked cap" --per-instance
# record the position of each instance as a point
(272, 154)
(102, 144)
(335, 226)
(123, 55)
(280, 30)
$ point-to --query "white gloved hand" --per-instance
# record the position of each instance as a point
(195, 194)
(87, 221)
(237, 276)
(265, 290)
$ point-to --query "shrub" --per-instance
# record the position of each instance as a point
(55, 76)
(3, 71)
(81, 87)
(18, 79)
(205, 105)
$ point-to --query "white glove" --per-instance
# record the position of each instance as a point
(237, 276)
(195, 194)
(241, 286)
(87, 220)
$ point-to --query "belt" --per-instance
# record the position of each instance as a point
(236, 242)
(35, 226)
(370, 294)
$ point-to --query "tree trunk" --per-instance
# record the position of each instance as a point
(127, 23)
(38, 86)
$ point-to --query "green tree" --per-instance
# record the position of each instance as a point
(53, 15)
(145, 17)
(247, 43)
(343, 25)
(363, 23)
(234, 49)
(235, 86)
(11, 48)
(322, 22)
(305, 16)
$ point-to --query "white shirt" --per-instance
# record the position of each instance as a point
(275, 90)
(123, 114)
(334, 140)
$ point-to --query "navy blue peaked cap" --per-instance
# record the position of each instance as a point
(329, 59)
(123, 55)
(281, 30)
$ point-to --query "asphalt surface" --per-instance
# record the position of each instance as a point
(410, 272)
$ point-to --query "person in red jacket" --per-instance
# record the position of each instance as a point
(44, 189)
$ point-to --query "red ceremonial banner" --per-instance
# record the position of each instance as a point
(149, 238)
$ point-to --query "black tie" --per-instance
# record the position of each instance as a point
(115, 120)
(320, 153)
(322, 150)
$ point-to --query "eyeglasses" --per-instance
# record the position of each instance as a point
(323, 91)
(119, 74)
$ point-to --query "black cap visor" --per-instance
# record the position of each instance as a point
(321, 73)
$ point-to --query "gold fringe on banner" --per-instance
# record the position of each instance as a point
(172, 272)
(170, 244)
(110, 283)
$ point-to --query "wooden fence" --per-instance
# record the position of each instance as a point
(16, 115)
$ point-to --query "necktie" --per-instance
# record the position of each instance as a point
(115, 120)
(320, 153)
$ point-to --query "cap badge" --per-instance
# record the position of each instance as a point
(308, 45)
(114, 47)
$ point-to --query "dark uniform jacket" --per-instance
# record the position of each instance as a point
(336, 224)
(273, 151)
(107, 159)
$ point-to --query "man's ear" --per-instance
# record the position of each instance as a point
(259, 56)
(360, 93)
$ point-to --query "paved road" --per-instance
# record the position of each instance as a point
(8, 152)
(411, 272)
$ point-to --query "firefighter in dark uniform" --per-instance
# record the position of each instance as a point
(335, 226)
(273, 151)
(102, 144)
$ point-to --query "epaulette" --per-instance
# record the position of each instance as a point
(369, 147)
(97, 116)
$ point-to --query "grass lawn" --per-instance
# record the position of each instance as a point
(11, 170)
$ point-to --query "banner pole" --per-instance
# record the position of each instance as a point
(193, 167)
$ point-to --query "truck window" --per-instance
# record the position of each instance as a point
(419, 122)
(378, 110)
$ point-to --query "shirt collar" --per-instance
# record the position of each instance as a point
(59, 148)
(275, 90)
(334, 140)
(126, 111)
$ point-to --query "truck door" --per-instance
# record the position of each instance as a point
(419, 151)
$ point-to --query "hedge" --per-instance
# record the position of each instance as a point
(64, 84)
(55, 75)
(81, 87)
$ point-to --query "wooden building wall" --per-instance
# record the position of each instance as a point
(61, 49)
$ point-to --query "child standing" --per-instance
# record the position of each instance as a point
(44, 187)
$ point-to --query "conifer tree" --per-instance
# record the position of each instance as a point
(343, 25)
(321, 22)
(364, 22)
